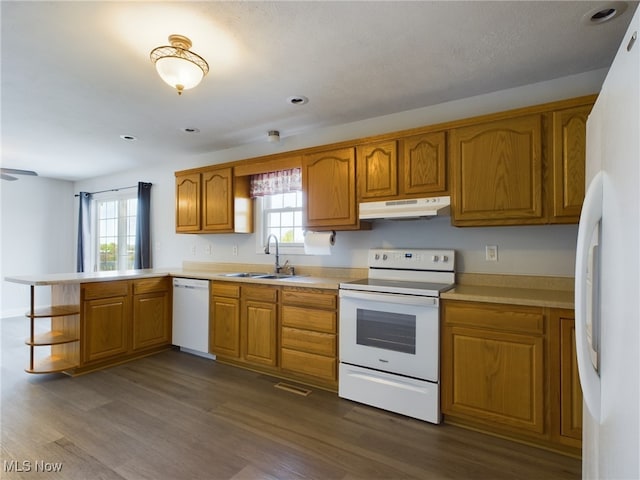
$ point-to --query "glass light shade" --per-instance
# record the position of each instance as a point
(177, 65)
(176, 71)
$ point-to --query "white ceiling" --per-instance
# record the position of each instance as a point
(77, 75)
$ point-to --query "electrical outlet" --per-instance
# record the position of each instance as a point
(491, 253)
(193, 249)
(207, 249)
(235, 250)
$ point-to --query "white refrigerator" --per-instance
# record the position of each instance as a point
(608, 273)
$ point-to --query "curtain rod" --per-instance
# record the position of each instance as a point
(114, 189)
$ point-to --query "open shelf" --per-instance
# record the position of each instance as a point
(54, 311)
(53, 337)
(62, 337)
(52, 364)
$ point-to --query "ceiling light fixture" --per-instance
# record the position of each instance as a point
(298, 100)
(177, 65)
(273, 136)
(604, 12)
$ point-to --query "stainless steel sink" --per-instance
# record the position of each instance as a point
(279, 275)
(247, 274)
(268, 276)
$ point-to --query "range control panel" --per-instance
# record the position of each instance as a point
(412, 259)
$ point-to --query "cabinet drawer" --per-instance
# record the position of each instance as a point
(105, 289)
(148, 285)
(224, 289)
(506, 318)
(318, 320)
(308, 341)
(260, 293)
(309, 364)
(309, 298)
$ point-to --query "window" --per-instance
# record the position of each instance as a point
(281, 215)
(115, 231)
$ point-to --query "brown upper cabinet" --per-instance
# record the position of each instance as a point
(519, 167)
(188, 202)
(410, 167)
(329, 184)
(423, 165)
(569, 130)
(496, 172)
(213, 201)
(522, 170)
(377, 170)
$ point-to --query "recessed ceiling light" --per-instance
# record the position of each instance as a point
(129, 138)
(191, 130)
(298, 100)
(604, 12)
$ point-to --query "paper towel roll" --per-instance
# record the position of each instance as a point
(319, 243)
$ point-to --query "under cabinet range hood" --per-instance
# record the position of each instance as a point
(405, 209)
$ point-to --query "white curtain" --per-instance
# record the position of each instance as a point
(282, 181)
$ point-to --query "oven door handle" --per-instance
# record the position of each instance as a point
(399, 299)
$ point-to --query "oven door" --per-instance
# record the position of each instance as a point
(390, 332)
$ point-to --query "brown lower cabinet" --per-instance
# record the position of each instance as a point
(243, 324)
(151, 313)
(259, 325)
(510, 370)
(288, 332)
(123, 319)
(224, 320)
(309, 347)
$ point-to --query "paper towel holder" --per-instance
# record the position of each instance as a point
(333, 235)
(319, 243)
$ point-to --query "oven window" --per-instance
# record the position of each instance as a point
(389, 331)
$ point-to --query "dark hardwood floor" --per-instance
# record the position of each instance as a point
(178, 416)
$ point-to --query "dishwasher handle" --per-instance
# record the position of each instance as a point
(191, 283)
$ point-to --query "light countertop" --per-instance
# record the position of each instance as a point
(513, 296)
(554, 292)
(526, 290)
(90, 277)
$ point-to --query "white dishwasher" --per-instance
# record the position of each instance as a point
(191, 316)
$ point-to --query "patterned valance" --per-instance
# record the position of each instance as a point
(271, 183)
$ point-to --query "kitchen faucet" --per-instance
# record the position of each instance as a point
(266, 250)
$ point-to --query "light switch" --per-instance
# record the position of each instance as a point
(491, 253)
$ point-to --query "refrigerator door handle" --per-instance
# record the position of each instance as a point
(589, 223)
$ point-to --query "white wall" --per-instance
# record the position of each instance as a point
(39, 215)
(37, 236)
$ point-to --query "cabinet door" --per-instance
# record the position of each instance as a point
(423, 164)
(568, 163)
(105, 327)
(328, 181)
(494, 375)
(565, 383)
(217, 200)
(497, 172)
(224, 327)
(377, 170)
(260, 332)
(188, 202)
(151, 320)
(570, 390)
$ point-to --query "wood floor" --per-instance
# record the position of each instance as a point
(178, 416)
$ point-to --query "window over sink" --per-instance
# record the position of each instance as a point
(281, 215)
